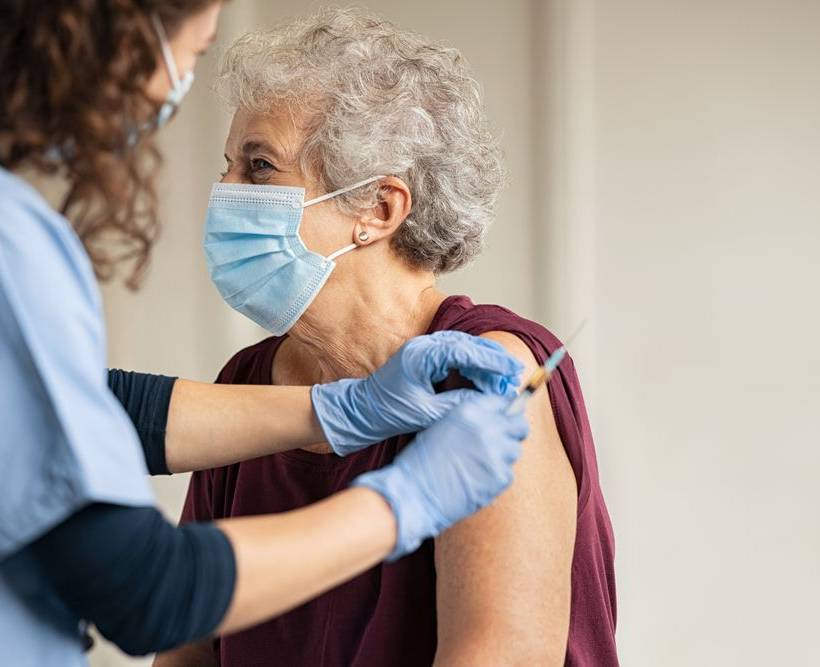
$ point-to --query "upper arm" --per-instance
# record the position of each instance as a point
(503, 591)
(178, 581)
(198, 507)
(146, 399)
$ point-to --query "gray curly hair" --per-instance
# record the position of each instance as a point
(380, 101)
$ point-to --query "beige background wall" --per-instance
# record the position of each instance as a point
(665, 158)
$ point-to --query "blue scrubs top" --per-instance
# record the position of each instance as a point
(65, 440)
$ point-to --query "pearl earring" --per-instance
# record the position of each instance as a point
(363, 236)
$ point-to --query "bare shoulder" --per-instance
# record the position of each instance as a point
(504, 574)
(515, 346)
(544, 475)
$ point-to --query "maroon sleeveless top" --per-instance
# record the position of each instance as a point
(386, 617)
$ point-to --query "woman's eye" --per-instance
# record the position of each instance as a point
(260, 164)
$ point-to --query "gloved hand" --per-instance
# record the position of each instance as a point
(452, 469)
(399, 397)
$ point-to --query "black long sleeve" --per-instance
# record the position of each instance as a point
(147, 585)
(146, 399)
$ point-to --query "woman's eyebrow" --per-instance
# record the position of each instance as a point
(255, 146)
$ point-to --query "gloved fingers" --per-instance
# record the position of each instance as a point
(469, 354)
(503, 452)
(441, 404)
(491, 403)
(504, 479)
(480, 408)
(512, 452)
(516, 425)
(484, 421)
(492, 383)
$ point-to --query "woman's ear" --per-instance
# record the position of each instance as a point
(382, 221)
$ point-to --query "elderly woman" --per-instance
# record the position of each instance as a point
(390, 126)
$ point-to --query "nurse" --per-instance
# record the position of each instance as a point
(83, 87)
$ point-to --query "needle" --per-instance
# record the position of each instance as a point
(543, 374)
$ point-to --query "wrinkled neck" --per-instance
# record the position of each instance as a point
(362, 316)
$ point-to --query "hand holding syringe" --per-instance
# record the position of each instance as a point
(543, 374)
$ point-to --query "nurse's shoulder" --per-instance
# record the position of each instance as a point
(66, 440)
(38, 240)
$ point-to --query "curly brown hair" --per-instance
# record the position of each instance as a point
(72, 81)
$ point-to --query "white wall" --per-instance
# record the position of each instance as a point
(664, 158)
(685, 148)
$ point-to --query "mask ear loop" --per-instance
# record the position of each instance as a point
(336, 193)
(331, 195)
(341, 252)
(167, 55)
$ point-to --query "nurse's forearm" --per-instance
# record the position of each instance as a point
(284, 560)
(211, 425)
(149, 586)
(184, 425)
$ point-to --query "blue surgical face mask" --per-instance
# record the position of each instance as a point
(179, 86)
(255, 256)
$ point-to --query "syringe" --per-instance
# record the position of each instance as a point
(543, 374)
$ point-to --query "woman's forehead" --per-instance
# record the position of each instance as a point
(277, 129)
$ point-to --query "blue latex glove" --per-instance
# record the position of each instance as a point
(399, 397)
(452, 469)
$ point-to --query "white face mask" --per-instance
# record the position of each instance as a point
(179, 87)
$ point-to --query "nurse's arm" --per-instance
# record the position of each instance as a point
(185, 426)
(149, 586)
(503, 575)
(212, 425)
(315, 548)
